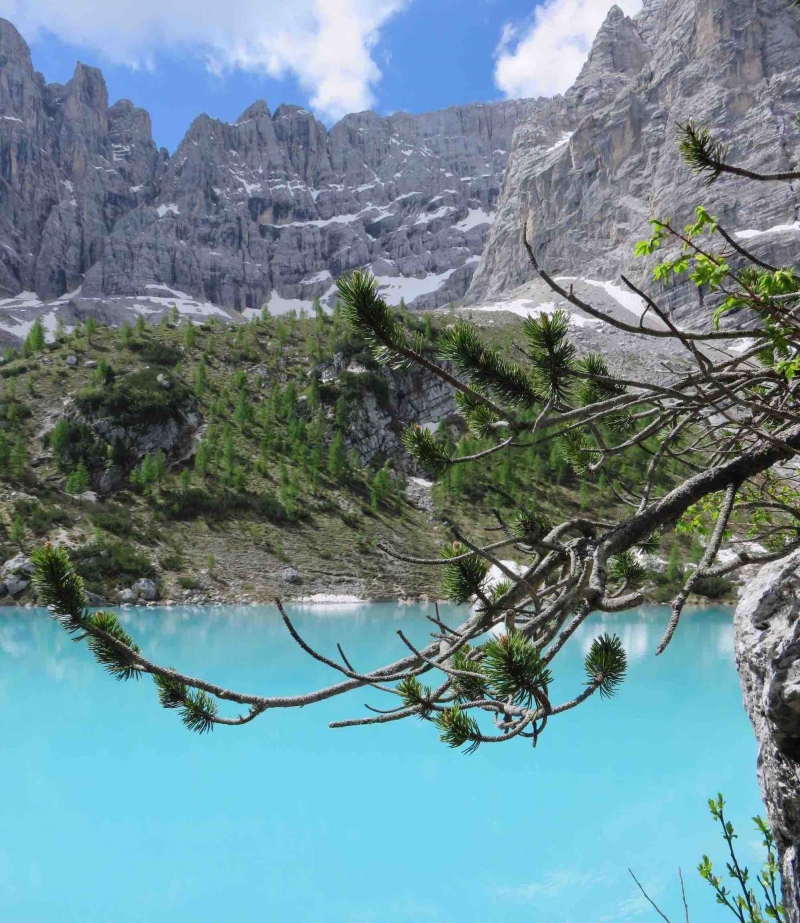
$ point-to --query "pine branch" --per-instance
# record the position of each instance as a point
(372, 317)
(706, 155)
(119, 664)
(458, 729)
(464, 575)
(485, 368)
(551, 353)
(515, 670)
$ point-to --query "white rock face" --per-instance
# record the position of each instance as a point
(767, 639)
(19, 564)
(145, 589)
(16, 573)
(587, 170)
(17, 584)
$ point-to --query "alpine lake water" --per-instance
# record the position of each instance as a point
(113, 812)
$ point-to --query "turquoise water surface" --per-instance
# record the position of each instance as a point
(112, 812)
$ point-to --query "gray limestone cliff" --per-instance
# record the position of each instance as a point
(589, 169)
(270, 209)
(767, 635)
(70, 165)
(94, 219)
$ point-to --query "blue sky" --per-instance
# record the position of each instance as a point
(333, 56)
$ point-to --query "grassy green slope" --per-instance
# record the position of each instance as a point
(262, 484)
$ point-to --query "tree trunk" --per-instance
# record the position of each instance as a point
(767, 626)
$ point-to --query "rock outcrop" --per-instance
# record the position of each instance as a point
(587, 170)
(386, 404)
(272, 208)
(768, 658)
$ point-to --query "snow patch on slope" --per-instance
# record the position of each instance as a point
(476, 217)
(778, 229)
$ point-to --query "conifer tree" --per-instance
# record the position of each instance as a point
(140, 326)
(243, 411)
(288, 401)
(381, 487)
(16, 534)
(190, 334)
(34, 342)
(18, 457)
(201, 378)
(5, 454)
(313, 394)
(314, 468)
(338, 465)
(201, 459)
(78, 480)
(159, 468)
(90, 328)
(145, 474)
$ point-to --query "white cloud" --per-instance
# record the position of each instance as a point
(546, 57)
(327, 45)
(552, 885)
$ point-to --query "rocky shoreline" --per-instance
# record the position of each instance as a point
(211, 589)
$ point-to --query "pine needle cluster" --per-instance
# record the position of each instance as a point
(514, 667)
(703, 153)
(606, 664)
(485, 368)
(551, 353)
(463, 580)
(62, 591)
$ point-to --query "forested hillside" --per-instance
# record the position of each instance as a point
(232, 463)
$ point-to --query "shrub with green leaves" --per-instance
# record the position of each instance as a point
(137, 398)
(109, 561)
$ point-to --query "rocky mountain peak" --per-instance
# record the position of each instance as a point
(13, 47)
(586, 197)
(257, 110)
(89, 83)
(290, 111)
(618, 53)
(270, 209)
(18, 84)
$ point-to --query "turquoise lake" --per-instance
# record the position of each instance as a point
(113, 812)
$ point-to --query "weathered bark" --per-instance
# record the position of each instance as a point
(768, 659)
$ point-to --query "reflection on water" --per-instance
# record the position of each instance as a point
(641, 632)
(114, 812)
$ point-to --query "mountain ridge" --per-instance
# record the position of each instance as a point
(270, 209)
(93, 215)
